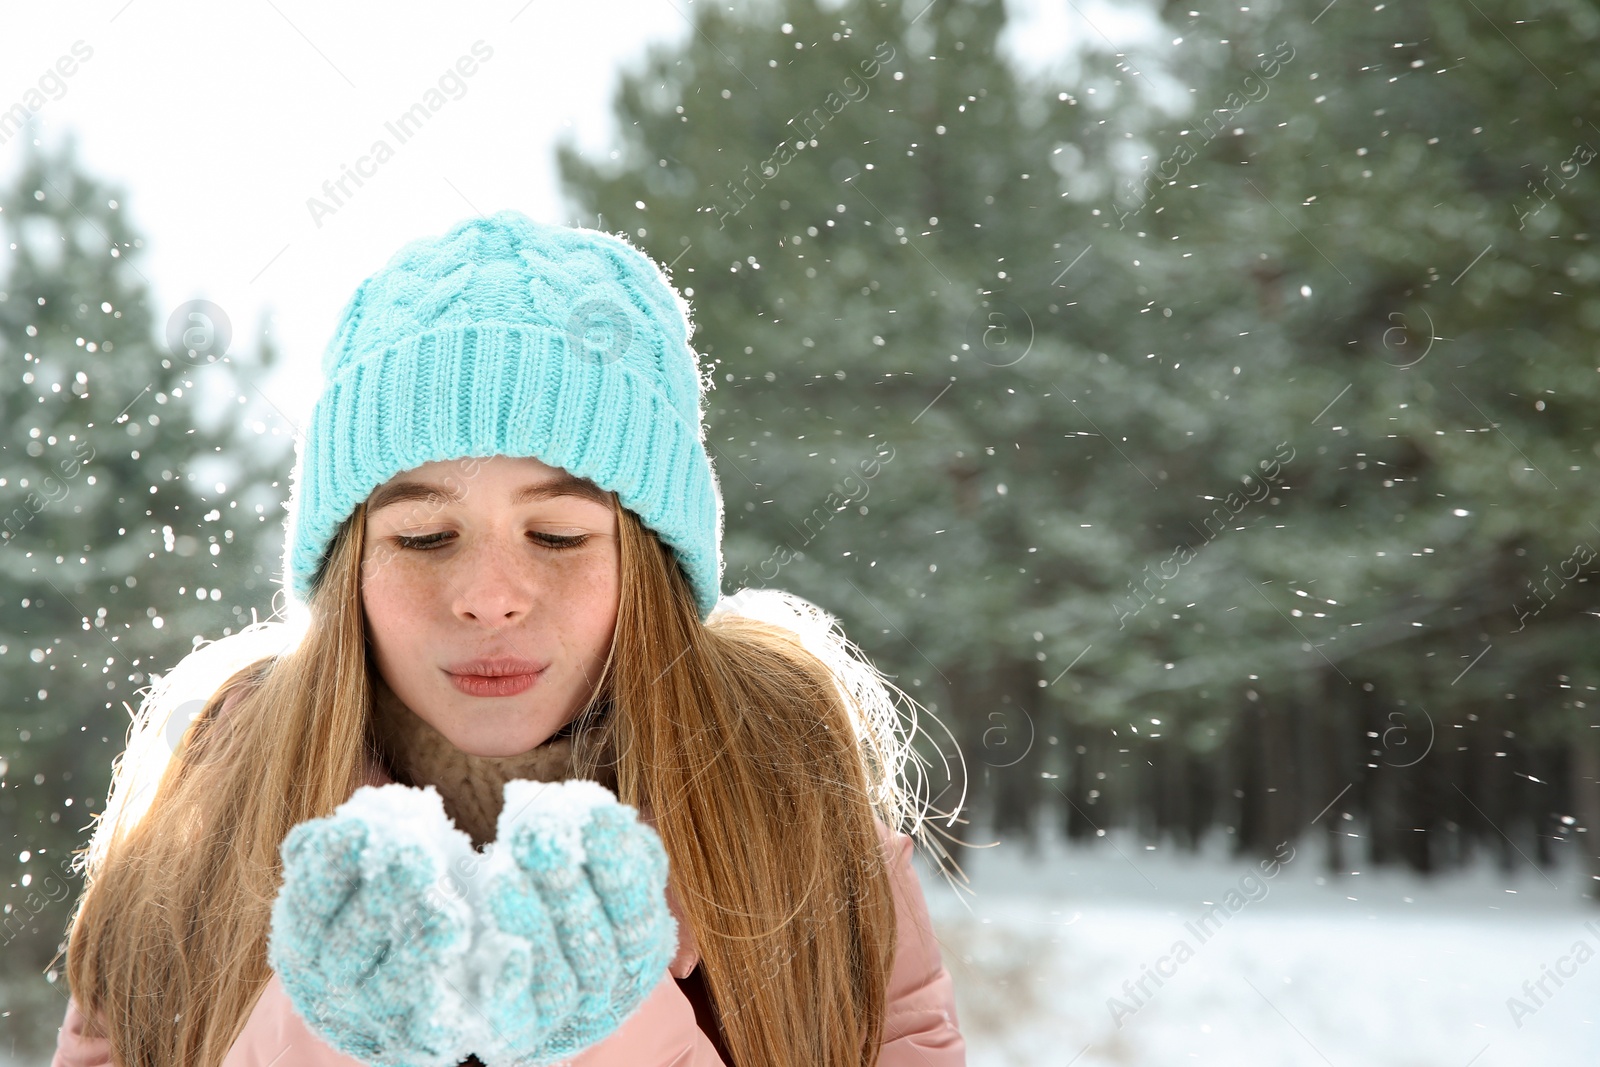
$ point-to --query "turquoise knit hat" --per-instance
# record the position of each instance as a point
(510, 337)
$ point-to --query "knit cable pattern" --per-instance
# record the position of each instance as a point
(510, 337)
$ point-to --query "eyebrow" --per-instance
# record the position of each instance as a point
(563, 485)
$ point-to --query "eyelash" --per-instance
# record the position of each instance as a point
(554, 542)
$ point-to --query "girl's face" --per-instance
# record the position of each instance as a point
(491, 559)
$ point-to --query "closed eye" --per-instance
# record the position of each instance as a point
(554, 542)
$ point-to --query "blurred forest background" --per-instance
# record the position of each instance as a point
(1203, 442)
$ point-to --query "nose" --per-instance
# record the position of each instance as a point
(490, 584)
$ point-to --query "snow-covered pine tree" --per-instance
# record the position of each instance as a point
(114, 531)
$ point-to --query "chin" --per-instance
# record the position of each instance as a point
(490, 751)
(499, 746)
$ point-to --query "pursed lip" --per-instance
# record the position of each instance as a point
(496, 667)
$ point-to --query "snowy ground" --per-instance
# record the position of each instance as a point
(1368, 970)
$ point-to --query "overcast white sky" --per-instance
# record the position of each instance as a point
(221, 121)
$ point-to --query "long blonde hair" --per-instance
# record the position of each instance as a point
(762, 742)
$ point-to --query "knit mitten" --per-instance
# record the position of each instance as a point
(402, 946)
(575, 888)
(373, 928)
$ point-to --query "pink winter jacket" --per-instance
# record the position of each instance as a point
(920, 1026)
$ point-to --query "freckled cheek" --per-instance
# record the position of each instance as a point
(397, 598)
(597, 601)
(587, 579)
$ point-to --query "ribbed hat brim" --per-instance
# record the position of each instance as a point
(514, 390)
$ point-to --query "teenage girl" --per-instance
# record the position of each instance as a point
(515, 784)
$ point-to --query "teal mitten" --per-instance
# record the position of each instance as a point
(402, 946)
(373, 928)
(575, 889)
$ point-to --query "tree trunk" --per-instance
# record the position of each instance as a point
(1585, 776)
